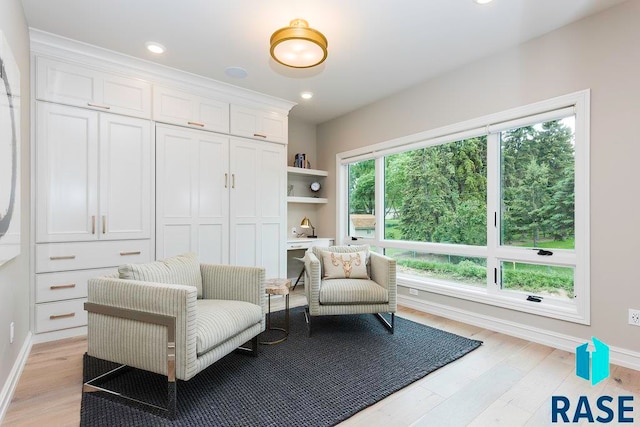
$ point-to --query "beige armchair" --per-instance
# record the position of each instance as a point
(330, 296)
(173, 317)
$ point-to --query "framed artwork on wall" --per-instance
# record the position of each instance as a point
(9, 153)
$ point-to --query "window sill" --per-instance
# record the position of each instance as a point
(566, 311)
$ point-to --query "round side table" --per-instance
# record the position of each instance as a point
(277, 287)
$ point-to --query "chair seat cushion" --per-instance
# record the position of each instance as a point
(218, 320)
(352, 291)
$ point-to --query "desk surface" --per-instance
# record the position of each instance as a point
(306, 243)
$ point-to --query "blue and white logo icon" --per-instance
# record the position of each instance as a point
(595, 367)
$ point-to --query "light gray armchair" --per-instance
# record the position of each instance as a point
(376, 294)
(173, 317)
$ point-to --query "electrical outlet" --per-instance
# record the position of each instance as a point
(294, 231)
(413, 291)
(634, 317)
(11, 332)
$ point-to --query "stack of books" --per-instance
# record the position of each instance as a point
(300, 161)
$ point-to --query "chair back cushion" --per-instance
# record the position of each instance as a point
(177, 270)
(318, 250)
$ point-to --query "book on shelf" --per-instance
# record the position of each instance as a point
(300, 161)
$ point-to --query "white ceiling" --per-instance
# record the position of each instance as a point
(376, 47)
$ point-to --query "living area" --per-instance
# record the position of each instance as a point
(436, 170)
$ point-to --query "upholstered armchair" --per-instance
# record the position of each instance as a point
(350, 280)
(173, 317)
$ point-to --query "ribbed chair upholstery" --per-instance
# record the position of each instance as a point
(376, 295)
(214, 310)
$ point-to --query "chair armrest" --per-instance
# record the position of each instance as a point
(383, 270)
(312, 280)
(233, 283)
(141, 344)
(151, 297)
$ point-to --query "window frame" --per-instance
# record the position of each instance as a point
(576, 310)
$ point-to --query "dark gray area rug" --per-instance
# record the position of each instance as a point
(348, 364)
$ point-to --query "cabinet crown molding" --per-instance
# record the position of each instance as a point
(48, 44)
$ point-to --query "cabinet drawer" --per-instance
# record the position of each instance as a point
(85, 255)
(66, 285)
(298, 245)
(53, 316)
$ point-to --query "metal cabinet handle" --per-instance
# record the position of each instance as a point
(259, 135)
(61, 316)
(196, 124)
(58, 287)
(61, 257)
(130, 253)
(226, 179)
(104, 107)
(104, 224)
(93, 224)
(233, 180)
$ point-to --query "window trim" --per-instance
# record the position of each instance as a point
(578, 310)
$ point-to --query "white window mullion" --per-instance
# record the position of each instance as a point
(380, 204)
(342, 202)
(493, 212)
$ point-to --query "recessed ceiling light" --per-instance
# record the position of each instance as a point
(306, 95)
(483, 1)
(154, 47)
(236, 72)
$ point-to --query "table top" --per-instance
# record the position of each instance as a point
(277, 286)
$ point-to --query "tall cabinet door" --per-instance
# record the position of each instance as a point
(125, 178)
(257, 210)
(67, 174)
(271, 190)
(192, 194)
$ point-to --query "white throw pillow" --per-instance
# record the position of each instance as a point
(351, 265)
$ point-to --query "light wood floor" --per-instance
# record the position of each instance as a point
(508, 381)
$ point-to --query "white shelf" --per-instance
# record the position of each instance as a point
(306, 200)
(304, 171)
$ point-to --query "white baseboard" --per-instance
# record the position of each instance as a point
(617, 356)
(59, 335)
(14, 376)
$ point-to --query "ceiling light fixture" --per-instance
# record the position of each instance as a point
(299, 46)
(306, 95)
(483, 1)
(154, 47)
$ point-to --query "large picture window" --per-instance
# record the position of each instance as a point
(495, 210)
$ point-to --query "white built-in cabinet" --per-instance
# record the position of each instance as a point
(93, 175)
(191, 110)
(133, 161)
(74, 84)
(93, 172)
(259, 123)
(221, 197)
(192, 194)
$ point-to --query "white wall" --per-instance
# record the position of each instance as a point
(601, 53)
(14, 275)
(302, 139)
